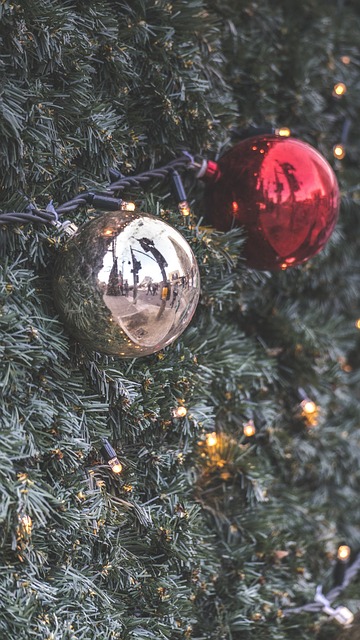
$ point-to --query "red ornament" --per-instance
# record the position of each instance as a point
(282, 191)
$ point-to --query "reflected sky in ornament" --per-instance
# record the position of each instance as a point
(131, 241)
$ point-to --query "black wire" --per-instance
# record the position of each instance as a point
(162, 172)
(51, 216)
(36, 215)
(72, 204)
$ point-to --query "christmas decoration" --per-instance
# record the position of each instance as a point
(343, 553)
(339, 151)
(249, 428)
(126, 284)
(282, 191)
(323, 602)
(342, 615)
(179, 412)
(109, 454)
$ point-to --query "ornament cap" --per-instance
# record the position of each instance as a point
(209, 171)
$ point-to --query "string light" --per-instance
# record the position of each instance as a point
(111, 458)
(339, 151)
(309, 407)
(342, 562)
(128, 206)
(323, 602)
(115, 465)
(309, 411)
(343, 553)
(345, 59)
(249, 428)
(180, 193)
(357, 323)
(184, 208)
(284, 132)
(339, 89)
(179, 412)
(211, 439)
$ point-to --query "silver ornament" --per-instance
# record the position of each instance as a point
(126, 284)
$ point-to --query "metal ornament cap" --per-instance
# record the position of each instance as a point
(126, 284)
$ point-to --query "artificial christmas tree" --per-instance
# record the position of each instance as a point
(202, 491)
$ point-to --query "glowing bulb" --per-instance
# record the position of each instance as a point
(115, 465)
(249, 428)
(211, 439)
(107, 232)
(128, 206)
(109, 453)
(339, 151)
(184, 208)
(179, 412)
(343, 553)
(308, 406)
(345, 59)
(357, 324)
(339, 89)
(284, 132)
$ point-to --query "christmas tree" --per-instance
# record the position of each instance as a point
(205, 491)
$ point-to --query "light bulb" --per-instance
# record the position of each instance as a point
(109, 453)
(249, 428)
(309, 407)
(128, 206)
(343, 553)
(357, 323)
(211, 439)
(115, 465)
(179, 412)
(184, 208)
(339, 89)
(339, 151)
(283, 132)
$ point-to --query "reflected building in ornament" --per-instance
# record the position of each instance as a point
(127, 284)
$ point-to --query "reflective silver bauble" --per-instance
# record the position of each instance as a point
(126, 284)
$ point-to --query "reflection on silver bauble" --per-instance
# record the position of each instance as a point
(126, 284)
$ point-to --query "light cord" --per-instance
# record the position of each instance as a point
(322, 601)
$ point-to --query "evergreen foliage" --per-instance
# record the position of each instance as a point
(200, 539)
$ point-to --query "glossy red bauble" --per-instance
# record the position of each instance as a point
(282, 192)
